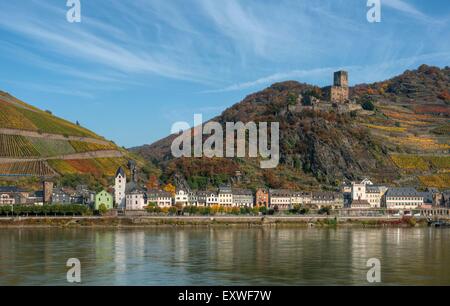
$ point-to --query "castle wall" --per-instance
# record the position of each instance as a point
(339, 94)
(336, 94)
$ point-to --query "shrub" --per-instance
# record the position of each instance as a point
(102, 209)
(324, 210)
(263, 210)
(53, 210)
(368, 105)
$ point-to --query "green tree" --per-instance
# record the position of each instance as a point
(102, 209)
(368, 105)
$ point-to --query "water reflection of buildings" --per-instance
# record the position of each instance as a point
(128, 249)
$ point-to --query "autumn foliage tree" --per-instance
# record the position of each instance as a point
(153, 182)
(170, 189)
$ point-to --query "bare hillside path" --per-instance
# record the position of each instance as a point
(52, 136)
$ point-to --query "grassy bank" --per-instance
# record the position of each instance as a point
(225, 221)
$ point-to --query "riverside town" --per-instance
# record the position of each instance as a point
(129, 198)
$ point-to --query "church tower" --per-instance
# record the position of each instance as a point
(119, 188)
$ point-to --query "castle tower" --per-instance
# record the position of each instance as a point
(341, 78)
(48, 191)
(119, 188)
(339, 91)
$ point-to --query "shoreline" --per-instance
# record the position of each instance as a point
(209, 221)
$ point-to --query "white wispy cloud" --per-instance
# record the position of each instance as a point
(77, 42)
(294, 74)
(409, 9)
(360, 73)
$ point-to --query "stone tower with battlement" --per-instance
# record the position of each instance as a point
(341, 78)
(339, 92)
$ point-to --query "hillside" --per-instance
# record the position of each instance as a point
(403, 141)
(36, 144)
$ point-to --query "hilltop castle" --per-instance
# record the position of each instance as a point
(338, 92)
(333, 98)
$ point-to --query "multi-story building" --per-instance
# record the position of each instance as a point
(334, 200)
(367, 191)
(105, 199)
(262, 197)
(225, 196)
(181, 197)
(360, 204)
(10, 195)
(212, 198)
(374, 195)
(36, 198)
(192, 198)
(202, 198)
(160, 198)
(346, 189)
(403, 198)
(59, 196)
(280, 199)
(444, 200)
(243, 197)
(135, 199)
(83, 195)
(300, 198)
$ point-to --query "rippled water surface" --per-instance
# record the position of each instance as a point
(419, 256)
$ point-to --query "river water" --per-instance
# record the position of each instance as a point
(263, 256)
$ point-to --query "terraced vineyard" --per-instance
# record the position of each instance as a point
(441, 180)
(98, 167)
(16, 146)
(33, 168)
(421, 163)
(47, 123)
(49, 147)
(80, 147)
(43, 151)
(11, 118)
(21, 117)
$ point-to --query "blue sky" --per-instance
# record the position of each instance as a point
(132, 68)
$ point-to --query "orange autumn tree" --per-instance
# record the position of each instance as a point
(153, 182)
(170, 189)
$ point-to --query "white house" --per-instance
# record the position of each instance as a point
(243, 197)
(135, 199)
(403, 198)
(367, 191)
(320, 199)
(225, 196)
(182, 197)
(159, 197)
(119, 188)
(374, 195)
(212, 198)
(300, 198)
(280, 199)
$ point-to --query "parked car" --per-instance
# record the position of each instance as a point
(418, 215)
